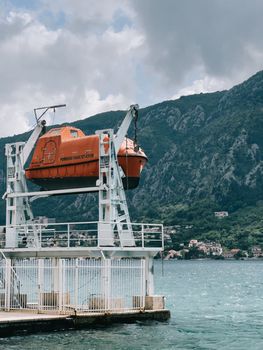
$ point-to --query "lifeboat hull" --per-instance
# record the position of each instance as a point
(61, 161)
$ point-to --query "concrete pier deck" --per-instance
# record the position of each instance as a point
(12, 323)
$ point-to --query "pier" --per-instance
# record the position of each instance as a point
(15, 323)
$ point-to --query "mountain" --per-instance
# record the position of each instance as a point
(205, 155)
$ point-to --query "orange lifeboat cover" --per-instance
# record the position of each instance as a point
(66, 153)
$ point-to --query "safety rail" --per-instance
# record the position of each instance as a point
(10, 285)
(85, 235)
(75, 285)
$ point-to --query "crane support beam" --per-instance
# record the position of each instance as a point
(25, 153)
(123, 129)
(52, 192)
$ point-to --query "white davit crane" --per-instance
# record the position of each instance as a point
(113, 210)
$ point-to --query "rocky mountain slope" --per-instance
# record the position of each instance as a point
(205, 154)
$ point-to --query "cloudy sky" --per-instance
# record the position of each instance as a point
(99, 55)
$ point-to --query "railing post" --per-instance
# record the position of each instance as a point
(60, 285)
(76, 284)
(106, 283)
(7, 284)
(40, 236)
(142, 301)
(162, 236)
(41, 272)
(98, 241)
(68, 236)
(142, 236)
(109, 283)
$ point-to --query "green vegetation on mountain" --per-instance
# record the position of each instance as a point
(205, 155)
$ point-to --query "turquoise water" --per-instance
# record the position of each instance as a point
(214, 305)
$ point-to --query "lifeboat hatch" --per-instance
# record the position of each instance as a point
(49, 152)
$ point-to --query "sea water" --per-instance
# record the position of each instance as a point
(214, 305)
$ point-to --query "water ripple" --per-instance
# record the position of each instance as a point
(214, 305)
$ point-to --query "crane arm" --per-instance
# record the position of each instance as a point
(123, 129)
(31, 142)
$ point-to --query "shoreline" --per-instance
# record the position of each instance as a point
(212, 259)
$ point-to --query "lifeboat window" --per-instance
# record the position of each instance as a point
(74, 133)
(54, 132)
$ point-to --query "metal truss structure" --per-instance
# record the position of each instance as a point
(114, 220)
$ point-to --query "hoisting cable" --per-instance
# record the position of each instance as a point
(136, 147)
(45, 110)
(37, 118)
(4, 169)
(54, 114)
(127, 166)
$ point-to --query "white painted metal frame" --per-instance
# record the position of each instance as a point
(75, 285)
(113, 210)
(85, 236)
(115, 233)
(18, 209)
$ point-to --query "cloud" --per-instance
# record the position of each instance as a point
(40, 65)
(94, 104)
(207, 84)
(104, 55)
(192, 40)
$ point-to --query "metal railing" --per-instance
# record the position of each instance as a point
(9, 283)
(84, 235)
(75, 285)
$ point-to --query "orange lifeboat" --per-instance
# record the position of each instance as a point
(65, 158)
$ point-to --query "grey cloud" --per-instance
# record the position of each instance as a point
(68, 59)
(10, 28)
(167, 46)
(215, 36)
(90, 70)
